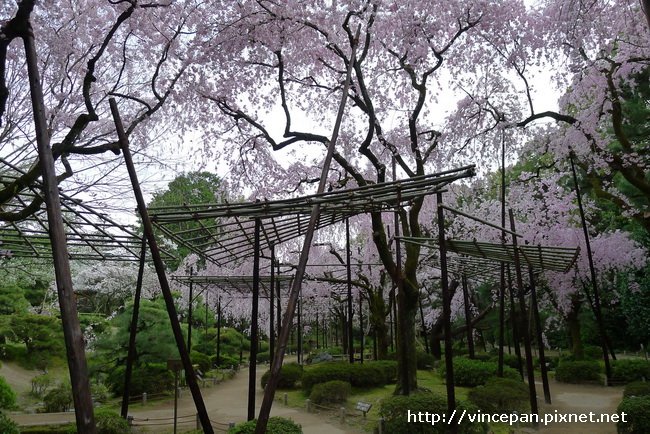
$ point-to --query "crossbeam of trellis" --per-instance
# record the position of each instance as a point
(226, 230)
(91, 235)
(241, 283)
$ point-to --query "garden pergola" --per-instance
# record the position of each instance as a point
(229, 232)
(478, 259)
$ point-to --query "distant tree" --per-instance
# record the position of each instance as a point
(188, 189)
(154, 342)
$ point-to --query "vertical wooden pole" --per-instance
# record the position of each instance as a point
(272, 306)
(468, 317)
(361, 323)
(133, 330)
(190, 376)
(540, 340)
(446, 313)
(252, 367)
(189, 313)
(530, 373)
(219, 330)
(424, 327)
(514, 319)
(348, 267)
(269, 391)
(74, 341)
(502, 287)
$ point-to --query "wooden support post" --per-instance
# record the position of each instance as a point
(219, 329)
(72, 335)
(468, 318)
(272, 306)
(540, 340)
(252, 367)
(530, 372)
(446, 313)
(189, 313)
(348, 267)
(361, 323)
(133, 330)
(190, 376)
(514, 319)
(269, 391)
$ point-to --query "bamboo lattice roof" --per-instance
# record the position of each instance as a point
(480, 259)
(91, 235)
(226, 230)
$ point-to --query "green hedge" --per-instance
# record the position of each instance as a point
(395, 410)
(203, 360)
(388, 368)
(357, 374)
(629, 370)
(275, 425)
(290, 375)
(7, 426)
(637, 415)
(472, 373)
(110, 422)
(331, 392)
(501, 395)
(579, 371)
(636, 388)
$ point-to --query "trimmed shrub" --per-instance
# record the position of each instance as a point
(551, 362)
(58, 399)
(472, 373)
(7, 395)
(592, 352)
(501, 395)
(151, 378)
(203, 360)
(226, 362)
(579, 371)
(358, 375)
(275, 425)
(395, 410)
(629, 370)
(636, 388)
(40, 384)
(263, 357)
(388, 368)
(290, 374)
(8, 426)
(424, 360)
(331, 392)
(637, 412)
(110, 422)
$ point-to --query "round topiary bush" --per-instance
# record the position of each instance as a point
(331, 392)
(579, 371)
(637, 415)
(501, 395)
(203, 360)
(358, 375)
(110, 422)
(275, 425)
(7, 395)
(388, 368)
(628, 370)
(396, 409)
(636, 388)
(290, 375)
(58, 399)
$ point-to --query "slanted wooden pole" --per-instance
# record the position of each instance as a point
(189, 313)
(592, 270)
(272, 306)
(190, 376)
(72, 335)
(269, 391)
(133, 330)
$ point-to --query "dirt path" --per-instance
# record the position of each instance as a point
(578, 398)
(18, 378)
(226, 402)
